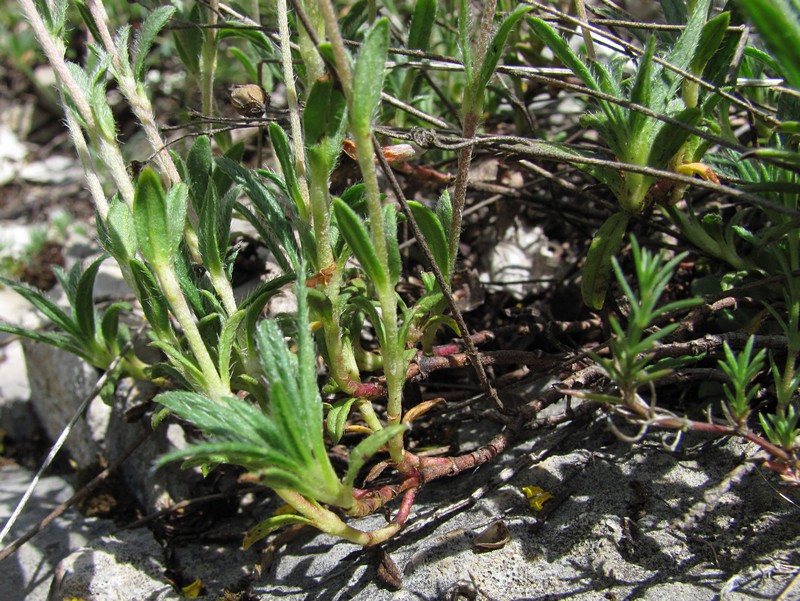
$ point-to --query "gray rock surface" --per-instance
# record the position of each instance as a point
(606, 533)
(59, 383)
(27, 574)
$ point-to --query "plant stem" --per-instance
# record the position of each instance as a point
(168, 280)
(393, 363)
(134, 94)
(472, 105)
(330, 523)
(109, 150)
(208, 64)
(294, 108)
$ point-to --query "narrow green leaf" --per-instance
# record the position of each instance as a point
(189, 41)
(597, 269)
(84, 12)
(183, 365)
(434, 234)
(176, 207)
(324, 112)
(275, 227)
(60, 341)
(199, 165)
(495, 51)
(337, 418)
(641, 92)
(150, 28)
(83, 309)
(102, 113)
(122, 43)
(226, 342)
(109, 324)
(365, 305)
(246, 62)
(280, 143)
(368, 77)
(154, 305)
(276, 522)
(45, 306)
(422, 22)
(366, 449)
(778, 23)
(207, 234)
(710, 38)
(683, 50)
(670, 138)
(357, 238)
(149, 215)
(444, 210)
(563, 52)
(392, 245)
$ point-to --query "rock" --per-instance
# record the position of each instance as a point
(26, 575)
(124, 566)
(54, 169)
(12, 153)
(59, 383)
(16, 415)
(520, 260)
(154, 489)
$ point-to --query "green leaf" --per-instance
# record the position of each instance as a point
(276, 522)
(154, 305)
(710, 38)
(199, 165)
(189, 41)
(150, 217)
(227, 340)
(444, 210)
(102, 113)
(273, 225)
(563, 52)
(207, 234)
(495, 51)
(183, 365)
(422, 22)
(434, 234)
(337, 418)
(778, 24)
(392, 246)
(670, 138)
(109, 325)
(357, 238)
(597, 269)
(280, 143)
(83, 308)
(176, 205)
(45, 306)
(121, 230)
(368, 77)
(84, 12)
(60, 341)
(324, 112)
(641, 92)
(151, 27)
(684, 49)
(366, 449)
(246, 62)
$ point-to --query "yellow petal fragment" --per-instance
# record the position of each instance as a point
(536, 496)
(700, 169)
(193, 590)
